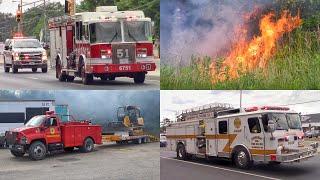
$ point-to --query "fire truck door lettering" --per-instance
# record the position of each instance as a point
(122, 53)
(124, 68)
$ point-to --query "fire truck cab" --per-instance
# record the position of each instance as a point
(107, 44)
(259, 134)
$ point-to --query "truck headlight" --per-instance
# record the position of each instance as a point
(24, 140)
(44, 56)
(16, 56)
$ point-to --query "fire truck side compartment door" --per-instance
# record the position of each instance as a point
(211, 141)
(223, 136)
(254, 132)
(191, 142)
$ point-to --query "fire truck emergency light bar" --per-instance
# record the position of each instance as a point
(251, 109)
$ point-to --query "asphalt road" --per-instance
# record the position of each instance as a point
(172, 168)
(25, 79)
(119, 162)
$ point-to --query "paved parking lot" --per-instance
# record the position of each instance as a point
(172, 168)
(120, 162)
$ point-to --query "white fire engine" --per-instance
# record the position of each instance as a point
(107, 44)
(266, 134)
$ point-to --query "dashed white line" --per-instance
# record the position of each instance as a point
(220, 168)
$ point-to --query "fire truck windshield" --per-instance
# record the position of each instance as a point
(105, 32)
(137, 31)
(280, 120)
(35, 121)
(29, 43)
(294, 121)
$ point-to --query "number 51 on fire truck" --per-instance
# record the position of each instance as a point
(107, 44)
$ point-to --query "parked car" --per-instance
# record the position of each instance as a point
(163, 140)
(312, 133)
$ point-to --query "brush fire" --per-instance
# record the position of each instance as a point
(248, 55)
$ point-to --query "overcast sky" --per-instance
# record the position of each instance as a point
(11, 7)
(173, 101)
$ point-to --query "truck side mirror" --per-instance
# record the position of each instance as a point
(271, 126)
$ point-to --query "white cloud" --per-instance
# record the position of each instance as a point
(172, 101)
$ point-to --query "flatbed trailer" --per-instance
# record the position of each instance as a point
(119, 139)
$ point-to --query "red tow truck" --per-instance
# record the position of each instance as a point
(47, 133)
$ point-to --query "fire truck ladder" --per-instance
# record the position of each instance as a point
(212, 109)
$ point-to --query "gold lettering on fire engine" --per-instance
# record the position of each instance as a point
(257, 142)
(237, 125)
(52, 130)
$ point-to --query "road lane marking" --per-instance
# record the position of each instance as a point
(220, 168)
(34, 78)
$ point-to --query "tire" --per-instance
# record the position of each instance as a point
(181, 152)
(37, 151)
(139, 78)
(104, 78)
(70, 78)
(242, 158)
(44, 70)
(34, 70)
(17, 154)
(59, 75)
(14, 69)
(69, 149)
(6, 69)
(86, 78)
(88, 146)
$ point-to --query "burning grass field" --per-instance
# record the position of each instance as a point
(294, 65)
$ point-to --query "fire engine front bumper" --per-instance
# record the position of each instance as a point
(17, 148)
(30, 64)
(298, 156)
(120, 68)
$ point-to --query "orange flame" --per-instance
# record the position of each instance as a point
(247, 56)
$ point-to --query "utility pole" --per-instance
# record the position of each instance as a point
(45, 22)
(240, 100)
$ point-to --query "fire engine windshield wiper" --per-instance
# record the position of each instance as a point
(114, 37)
(130, 35)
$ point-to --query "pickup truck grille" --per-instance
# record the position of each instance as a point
(31, 56)
(11, 137)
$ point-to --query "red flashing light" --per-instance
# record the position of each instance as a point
(251, 109)
(273, 157)
(275, 108)
(49, 112)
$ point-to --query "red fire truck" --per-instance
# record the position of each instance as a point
(47, 133)
(106, 44)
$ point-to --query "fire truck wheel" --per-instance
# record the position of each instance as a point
(70, 78)
(34, 69)
(242, 158)
(139, 78)
(69, 149)
(44, 70)
(87, 78)
(17, 154)
(14, 69)
(88, 145)
(37, 151)
(6, 69)
(181, 152)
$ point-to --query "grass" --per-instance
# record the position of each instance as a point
(296, 65)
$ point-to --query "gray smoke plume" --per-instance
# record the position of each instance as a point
(98, 106)
(200, 27)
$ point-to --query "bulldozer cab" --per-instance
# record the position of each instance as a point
(130, 116)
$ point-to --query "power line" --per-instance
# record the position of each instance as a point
(306, 102)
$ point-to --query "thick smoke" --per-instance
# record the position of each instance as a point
(98, 106)
(200, 27)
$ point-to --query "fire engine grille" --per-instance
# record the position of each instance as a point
(11, 137)
(123, 53)
(31, 56)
